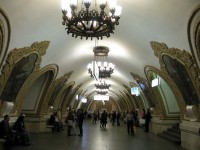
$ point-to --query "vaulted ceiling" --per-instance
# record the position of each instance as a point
(141, 21)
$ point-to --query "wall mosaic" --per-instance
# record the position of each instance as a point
(180, 66)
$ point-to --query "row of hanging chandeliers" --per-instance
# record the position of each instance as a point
(101, 69)
(93, 19)
(102, 87)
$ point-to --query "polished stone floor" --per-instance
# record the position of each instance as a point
(94, 138)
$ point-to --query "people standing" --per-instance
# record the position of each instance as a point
(55, 122)
(142, 118)
(104, 117)
(113, 118)
(94, 121)
(118, 118)
(129, 122)
(80, 117)
(74, 123)
(70, 120)
(142, 114)
(147, 120)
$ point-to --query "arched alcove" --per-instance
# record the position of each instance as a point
(179, 65)
(168, 106)
(4, 36)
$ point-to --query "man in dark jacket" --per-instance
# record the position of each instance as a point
(80, 117)
(6, 133)
(104, 117)
(147, 120)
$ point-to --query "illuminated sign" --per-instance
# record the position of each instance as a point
(135, 91)
(84, 100)
(101, 97)
(155, 82)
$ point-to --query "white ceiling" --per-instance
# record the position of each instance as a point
(141, 21)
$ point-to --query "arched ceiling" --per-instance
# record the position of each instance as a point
(141, 21)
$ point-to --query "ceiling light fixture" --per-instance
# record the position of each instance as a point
(100, 68)
(102, 85)
(83, 18)
(102, 91)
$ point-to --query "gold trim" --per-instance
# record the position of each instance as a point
(38, 48)
(193, 32)
(130, 98)
(77, 101)
(43, 103)
(147, 92)
(172, 86)
(5, 35)
(183, 57)
(65, 91)
(55, 85)
(123, 96)
(68, 98)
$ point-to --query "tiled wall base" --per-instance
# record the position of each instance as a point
(158, 126)
(190, 136)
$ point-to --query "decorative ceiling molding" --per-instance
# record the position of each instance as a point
(145, 88)
(75, 105)
(5, 31)
(32, 55)
(159, 104)
(193, 31)
(73, 93)
(124, 98)
(16, 54)
(184, 58)
(57, 86)
(52, 71)
(65, 92)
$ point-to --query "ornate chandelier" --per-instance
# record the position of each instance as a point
(85, 19)
(102, 85)
(100, 68)
(102, 91)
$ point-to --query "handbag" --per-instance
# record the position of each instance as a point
(70, 123)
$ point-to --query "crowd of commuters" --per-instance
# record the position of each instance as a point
(132, 119)
(73, 120)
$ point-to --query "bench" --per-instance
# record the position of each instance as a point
(49, 126)
(2, 140)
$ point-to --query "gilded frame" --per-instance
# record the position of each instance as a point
(186, 59)
(38, 48)
(172, 86)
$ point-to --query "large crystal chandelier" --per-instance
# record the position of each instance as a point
(90, 18)
(100, 66)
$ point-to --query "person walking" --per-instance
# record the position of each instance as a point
(104, 117)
